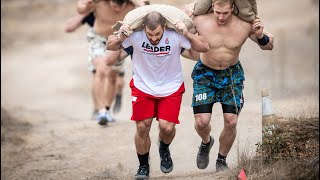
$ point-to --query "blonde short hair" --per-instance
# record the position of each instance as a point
(223, 2)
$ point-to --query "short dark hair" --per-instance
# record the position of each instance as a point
(153, 20)
(120, 2)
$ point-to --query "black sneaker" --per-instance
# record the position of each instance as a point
(142, 173)
(166, 164)
(117, 104)
(102, 119)
(203, 154)
(221, 165)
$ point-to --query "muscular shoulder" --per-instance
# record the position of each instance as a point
(246, 26)
(204, 21)
(201, 18)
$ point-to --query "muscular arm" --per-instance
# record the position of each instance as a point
(112, 57)
(74, 23)
(115, 43)
(85, 6)
(268, 46)
(191, 54)
(123, 54)
(198, 43)
(258, 32)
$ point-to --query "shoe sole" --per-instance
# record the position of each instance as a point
(221, 169)
(206, 165)
(103, 121)
(165, 170)
(141, 177)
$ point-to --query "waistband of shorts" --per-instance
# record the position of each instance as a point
(238, 64)
(92, 33)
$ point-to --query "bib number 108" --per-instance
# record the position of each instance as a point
(200, 97)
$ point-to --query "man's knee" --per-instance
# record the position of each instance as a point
(101, 68)
(101, 73)
(112, 76)
(167, 130)
(230, 120)
(143, 129)
(201, 121)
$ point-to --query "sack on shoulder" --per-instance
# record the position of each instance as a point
(244, 9)
(171, 14)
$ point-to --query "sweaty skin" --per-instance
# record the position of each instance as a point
(106, 14)
(225, 33)
(225, 38)
(109, 16)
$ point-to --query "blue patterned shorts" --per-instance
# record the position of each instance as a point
(224, 86)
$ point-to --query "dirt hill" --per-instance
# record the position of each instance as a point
(45, 95)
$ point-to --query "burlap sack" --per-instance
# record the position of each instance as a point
(244, 9)
(172, 14)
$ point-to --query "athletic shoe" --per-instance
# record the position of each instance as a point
(166, 164)
(142, 173)
(109, 117)
(203, 154)
(117, 104)
(221, 165)
(102, 119)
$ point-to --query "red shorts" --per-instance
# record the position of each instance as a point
(146, 106)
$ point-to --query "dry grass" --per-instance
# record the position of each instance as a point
(291, 151)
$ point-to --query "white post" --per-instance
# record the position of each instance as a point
(268, 116)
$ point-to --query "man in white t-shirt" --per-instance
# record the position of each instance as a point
(157, 84)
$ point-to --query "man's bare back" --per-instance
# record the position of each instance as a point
(106, 16)
(225, 40)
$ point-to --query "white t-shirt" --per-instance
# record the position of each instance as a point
(157, 69)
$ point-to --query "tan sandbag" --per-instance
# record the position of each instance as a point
(244, 9)
(172, 14)
(136, 2)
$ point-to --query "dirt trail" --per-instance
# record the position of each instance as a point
(45, 87)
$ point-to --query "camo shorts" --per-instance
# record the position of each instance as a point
(224, 86)
(97, 47)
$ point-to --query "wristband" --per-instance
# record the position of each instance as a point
(264, 40)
